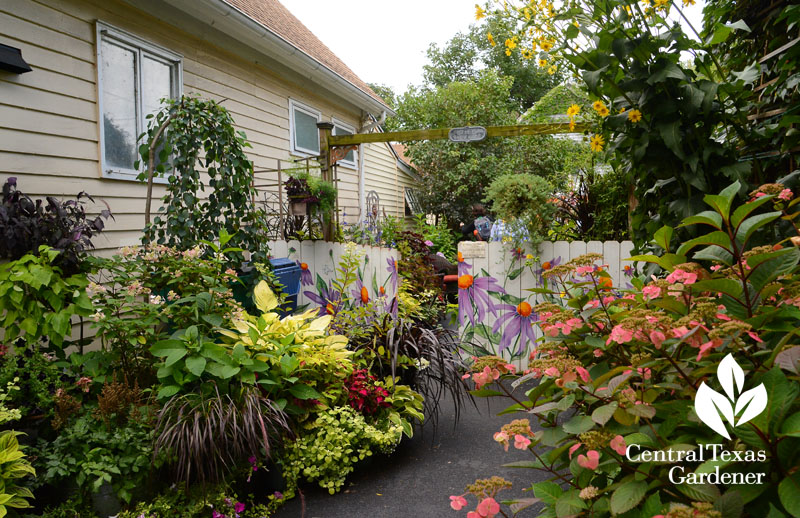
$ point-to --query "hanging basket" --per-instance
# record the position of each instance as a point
(298, 208)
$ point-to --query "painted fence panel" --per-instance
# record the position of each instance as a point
(319, 260)
(495, 305)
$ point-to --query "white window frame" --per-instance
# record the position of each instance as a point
(141, 47)
(311, 112)
(351, 164)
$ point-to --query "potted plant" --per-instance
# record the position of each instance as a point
(310, 195)
(299, 194)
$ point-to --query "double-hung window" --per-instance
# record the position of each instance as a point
(303, 128)
(133, 76)
(341, 128)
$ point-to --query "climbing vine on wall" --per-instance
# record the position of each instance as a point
(194, 144)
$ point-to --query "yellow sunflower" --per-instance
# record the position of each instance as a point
(542, 63)
(634, 115)
(597, 143)
(479, 13)
(573, 110)
(491, 39)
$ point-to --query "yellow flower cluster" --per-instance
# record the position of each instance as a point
(479, 13)
(634, 115)
(572, 112)
(601, 108)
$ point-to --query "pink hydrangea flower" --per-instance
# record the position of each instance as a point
(502, 438)
(573, 448)
(682, 276)
(618, 444)
(785, 195)
(457, 502)
(589, 461)
(584, 374)
(488, 507)
(597, 353)
(521, 442)
(651, 292)
(552, 372)
(620, 335)
(657, 337)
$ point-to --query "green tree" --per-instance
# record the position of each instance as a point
(455, 175)
(674, 129)
(466, 55)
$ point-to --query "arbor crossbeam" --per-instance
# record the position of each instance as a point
(442, 133)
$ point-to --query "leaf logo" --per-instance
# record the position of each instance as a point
(711, 406)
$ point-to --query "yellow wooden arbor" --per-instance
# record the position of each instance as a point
(335, 147)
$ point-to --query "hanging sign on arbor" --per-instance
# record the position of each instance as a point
(467, 134)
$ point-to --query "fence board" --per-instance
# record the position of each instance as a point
(577, 248)
(594, 247)
(611, 257)
(500, 262)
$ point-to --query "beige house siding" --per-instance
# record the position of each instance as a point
(381, 176)
(49, 131)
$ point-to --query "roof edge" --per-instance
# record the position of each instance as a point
(220, 14)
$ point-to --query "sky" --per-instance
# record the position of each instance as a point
(385, 41)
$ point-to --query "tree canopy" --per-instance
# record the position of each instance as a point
(454, 175)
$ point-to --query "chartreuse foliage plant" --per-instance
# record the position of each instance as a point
(304, 365)
(14, 466)
(331, 444)
(629, 381)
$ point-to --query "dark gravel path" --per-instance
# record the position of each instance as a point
(418, 478)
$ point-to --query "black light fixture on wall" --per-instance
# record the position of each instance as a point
(11, 60)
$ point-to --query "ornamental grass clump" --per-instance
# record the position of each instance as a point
(679, 396)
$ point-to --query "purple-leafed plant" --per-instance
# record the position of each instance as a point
(209, 435)
(26, 224)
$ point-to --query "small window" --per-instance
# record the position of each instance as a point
(305, 135)
(133, 77)
(340, 128)
(412, 203)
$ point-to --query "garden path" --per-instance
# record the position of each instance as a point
(419, 477)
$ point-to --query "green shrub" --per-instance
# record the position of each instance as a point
(646, 370)
(37, 302)
(201, 139)
(524, 197)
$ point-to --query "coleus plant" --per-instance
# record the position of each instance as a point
(627, 422)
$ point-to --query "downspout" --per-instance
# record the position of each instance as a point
(362, 194)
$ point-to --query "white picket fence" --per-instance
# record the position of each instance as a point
(323, 257)
(498, 260)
